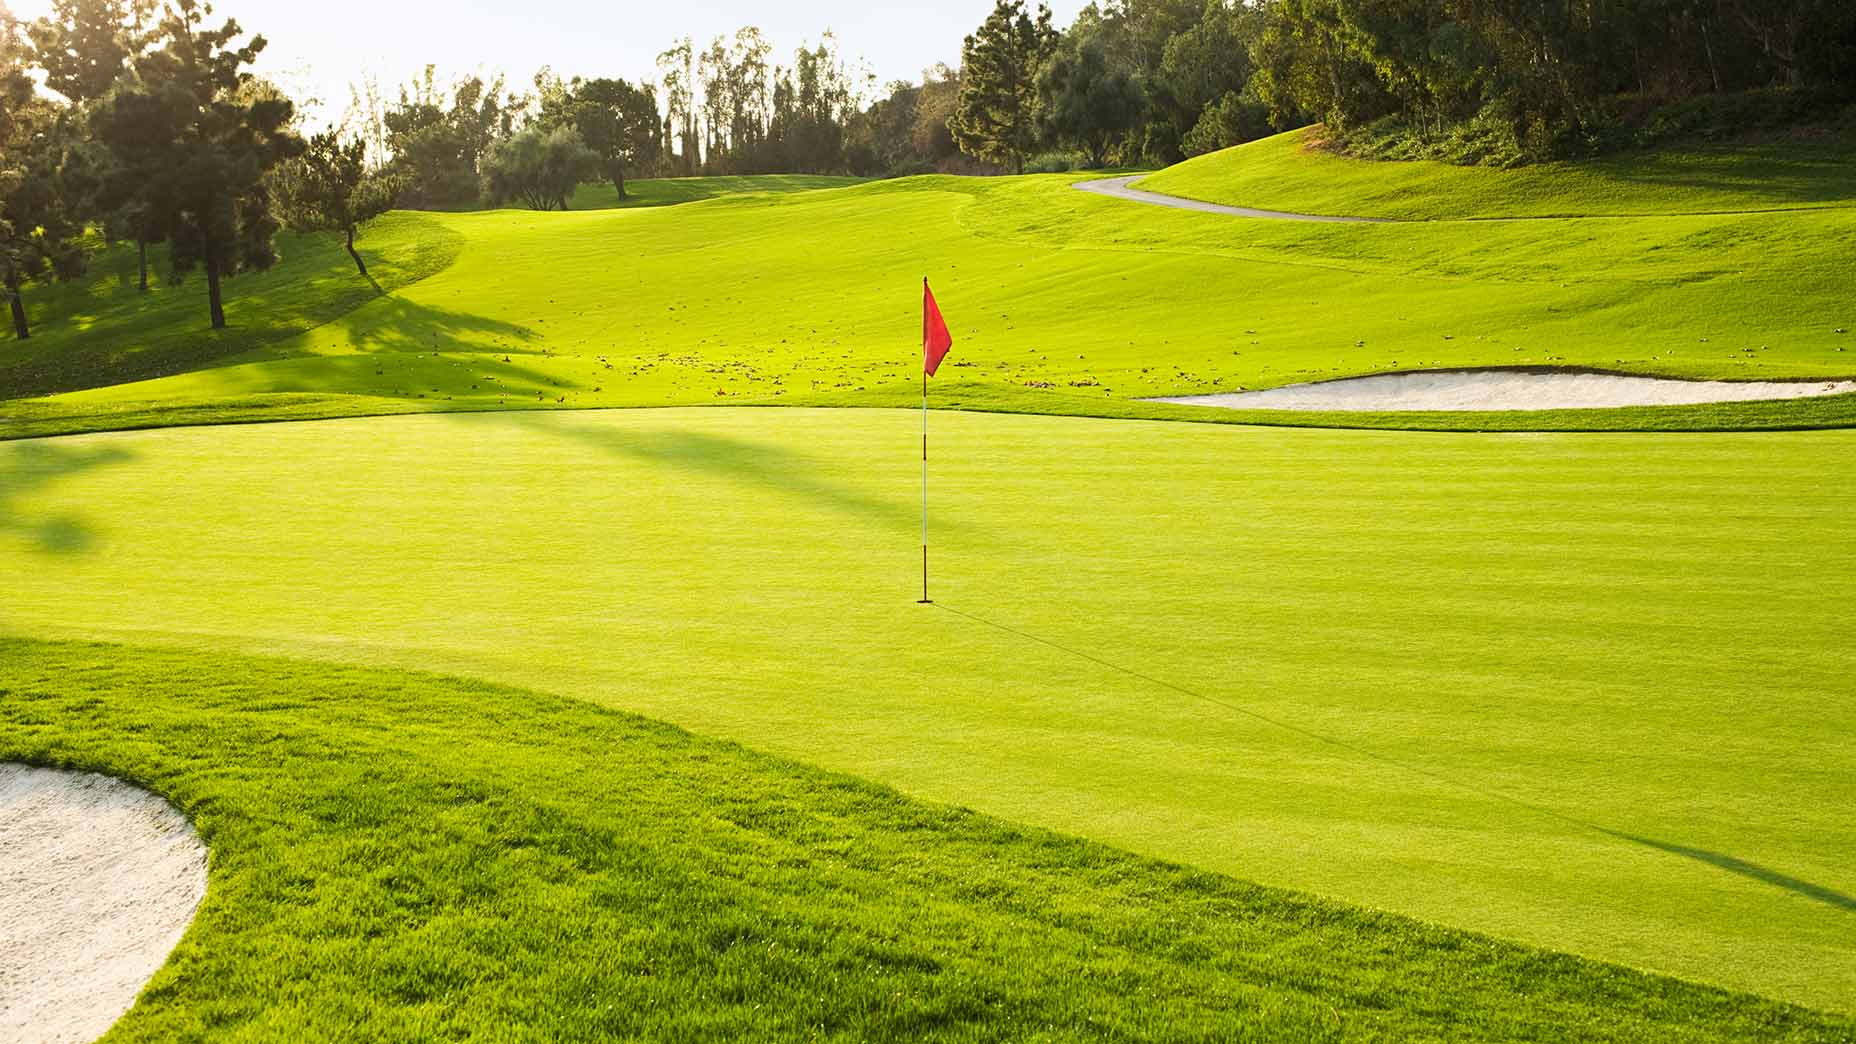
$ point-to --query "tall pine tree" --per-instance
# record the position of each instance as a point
(86, 48)
(202, 133)
(996, 115)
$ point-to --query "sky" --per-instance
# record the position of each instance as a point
(318, 47)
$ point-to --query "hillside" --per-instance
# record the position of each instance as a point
(1057, 297)
(1291, 172)
(100, 330)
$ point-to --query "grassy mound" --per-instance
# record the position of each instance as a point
(1287, 172)
(401, 856)
(1580, 691)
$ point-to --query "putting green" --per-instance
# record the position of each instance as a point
(1582, 691)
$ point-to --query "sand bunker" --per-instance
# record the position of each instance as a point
(98, 880)
(1507, 390)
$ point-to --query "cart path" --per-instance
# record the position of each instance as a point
(1121, 188)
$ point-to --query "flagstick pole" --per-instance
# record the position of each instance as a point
(925, 599)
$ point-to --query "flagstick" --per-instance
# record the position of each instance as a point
(925, 599)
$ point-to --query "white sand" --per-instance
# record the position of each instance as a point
(98, 880)
(1506, 390)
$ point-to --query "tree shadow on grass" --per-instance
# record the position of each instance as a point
(1789, 174)
(394, 324)
(29, 466)
(749, 463)
(1827, 896)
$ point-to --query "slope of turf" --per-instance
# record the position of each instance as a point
(665, 192)
(1288, 172)
(101, 330)
(1581, 691)
(1055, 295)
(400, 856)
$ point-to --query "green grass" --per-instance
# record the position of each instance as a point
(1583, 691)
(665, 192)
(1580, 691)
(409, 857)
(101, 330)
(1056, 297)
(1284, 173)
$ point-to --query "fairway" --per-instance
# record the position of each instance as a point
(1575, 690)
(1062, 302)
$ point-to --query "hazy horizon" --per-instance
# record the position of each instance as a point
(310, 54)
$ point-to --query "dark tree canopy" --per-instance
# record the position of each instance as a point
(617, 120)
(439, 138)
(84, 46)
(41, 232)
(996, 114)
(1542, 80)
(201, 134)
(1085, 103)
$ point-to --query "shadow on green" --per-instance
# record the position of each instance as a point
(30, 466)
(751, 463)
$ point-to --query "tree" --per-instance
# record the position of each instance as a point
(1084, 102)
(84, 46)
(39, 234)
(1305, 71)
(204, 134)
(932, 140)
(538, 166)
(878, 138)
(714, 104)
(330, 189)
(678, 68)
(996, 113)
(617, 120)
(1202, 88)
(1231, 120)
(814, 107)
(439, 138)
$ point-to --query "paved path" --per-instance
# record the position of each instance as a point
(1119, 188)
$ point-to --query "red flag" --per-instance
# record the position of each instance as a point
(935, 338)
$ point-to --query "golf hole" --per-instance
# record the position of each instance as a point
(1507, 390)
(98, 881)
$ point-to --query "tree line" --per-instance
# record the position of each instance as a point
(1503, 81)
(152, 130)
